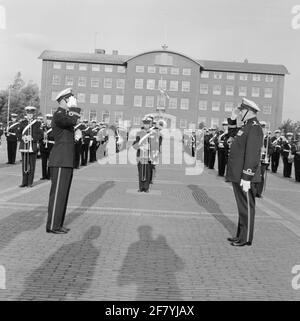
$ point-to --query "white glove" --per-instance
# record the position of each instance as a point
(245, 185)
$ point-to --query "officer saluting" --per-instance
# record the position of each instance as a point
(61, 161)
(243, 170)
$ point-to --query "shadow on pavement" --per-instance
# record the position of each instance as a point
(67, 274)
(19, 222)
(203, 200)
(89, 200)
(151, 264)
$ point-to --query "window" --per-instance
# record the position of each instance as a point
(83, 67)
(183, 123)
(56, 65)
(161, 102)
(121, 69)
(119, 100)
(174, 71)
(56, 80)
(243, 91)
(151, 69)
(215, 106)
(228, 106)
(139, 83)
(269, 78)
(120, 83)
(184, 103)
(95, 67)
(217, 90)
(243, 77)
(202, 120)
(186, 71)
(173, 103)
(256, 77)
(106, 99)
(93, 115)
(139, 68)
(229, 90)
(105, 116)
(204, 74)
(54, 95)
(162, 84)
(149, 101)
(81, 81)
(136, 120)
(94, 99)
(95, 82)
(118, 116)
(230, 76)
(69, 81)
(217, 75)
(81, 98)
(151, 84)
(203, 89)
(137, 101)
(107, 83)
(268, 92)
(255, 92)
(173, 85)
(163, 70)
(185, 86)
(108, 68)
(267, 109)
(215, 122)
(202, 104)
(70, 66)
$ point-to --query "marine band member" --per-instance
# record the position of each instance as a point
(287, 157)
(11, 134)
(276, 142)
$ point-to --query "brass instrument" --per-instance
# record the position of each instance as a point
(27, 146)
(264, 156)
(290, 157)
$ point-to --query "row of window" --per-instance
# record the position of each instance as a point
(84, 67)
(232, 76)
(164, 70)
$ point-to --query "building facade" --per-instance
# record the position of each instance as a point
(184, 91)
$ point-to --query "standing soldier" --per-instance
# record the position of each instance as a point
(61, 160)
(206, 138)
(276, 142)
(296, 153)
(11, 134)
(86, 135)
(1, 132)
(220, 143)
(29, 135)
(78, 142)
(46, 144)
(243, 170)
(93, 141)
(212, 148)
(287, 156)
(193, 143)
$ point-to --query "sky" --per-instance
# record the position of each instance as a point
(263, 31)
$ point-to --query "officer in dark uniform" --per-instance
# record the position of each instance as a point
(287, 157)
(296, 153)
(78, 130)
(61, 160)
(86, 138)
(243, 170)
(11, 134)
(276, 142)
(46, 144)
(212, 150)
(220, 143)
(29, 135)
(93, 141)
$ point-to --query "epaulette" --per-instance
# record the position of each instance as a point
(255, 123)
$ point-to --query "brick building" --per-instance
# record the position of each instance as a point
(113, 87)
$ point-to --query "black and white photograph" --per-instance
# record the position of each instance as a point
(149, 153)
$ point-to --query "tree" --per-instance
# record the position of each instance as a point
(21, 95)
(289, 126)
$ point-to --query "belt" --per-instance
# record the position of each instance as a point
(51, 142)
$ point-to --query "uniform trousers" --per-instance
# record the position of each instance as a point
(211, 158)
(287, 167)
(246, 209)
(61, 179)
(45, 168)
(144, 176)
(297, 167)
(275, 161)
(28, 168)
(221, 161)
(11, 151)
(77, 153)
(84, 153)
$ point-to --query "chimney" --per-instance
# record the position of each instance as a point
(115, 52)
(100, 51)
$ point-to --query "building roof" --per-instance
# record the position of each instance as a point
(122, 59)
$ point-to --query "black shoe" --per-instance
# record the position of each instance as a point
(146, 191)
(22, 185)
(56, 231)
(42, 178)
(65, 229)
(240, 243)
(139, 190)
(233, 239)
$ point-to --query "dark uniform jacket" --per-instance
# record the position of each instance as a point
(48, 133)
(62, 153)
(13, 131)
(35, 131)
(244, 155)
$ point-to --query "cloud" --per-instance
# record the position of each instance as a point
(32, 41)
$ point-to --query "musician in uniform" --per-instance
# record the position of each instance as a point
(276, 142)
(11, 134)
(78, 142)
(86, 137)
(212, 148)
(296, 153)
(61, 160)
(29, 135)
(93, 141)
(46, 144)
(221, 149)
(287, 157)
(243, 170)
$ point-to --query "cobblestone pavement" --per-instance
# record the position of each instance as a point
(169, 244)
